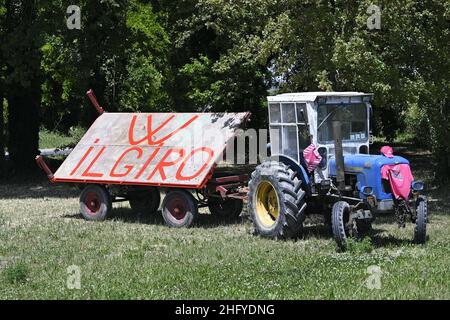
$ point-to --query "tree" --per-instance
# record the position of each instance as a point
(21, 54)
(146, 66)
(225, 55)
(211, 66)
(220, 55)
(120, 52)
(2, 92)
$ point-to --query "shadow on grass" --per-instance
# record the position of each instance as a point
(379, 241)
(318, 231)
(127, 215)
(37, 190)
(207, 221)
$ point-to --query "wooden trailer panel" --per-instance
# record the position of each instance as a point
(159, 149)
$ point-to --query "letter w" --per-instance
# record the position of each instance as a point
(151, 132)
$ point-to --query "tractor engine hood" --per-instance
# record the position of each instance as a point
(362, 162)
(367, 169)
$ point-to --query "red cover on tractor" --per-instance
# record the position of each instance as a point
(400, 179)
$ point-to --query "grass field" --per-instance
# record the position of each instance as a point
(50, 140)
(132, 257)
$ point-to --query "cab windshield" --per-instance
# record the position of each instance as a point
(353, 119)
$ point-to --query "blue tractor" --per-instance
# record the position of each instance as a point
(320, 162)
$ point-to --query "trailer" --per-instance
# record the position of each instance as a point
(136, 156)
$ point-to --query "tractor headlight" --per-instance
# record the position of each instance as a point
(417, 185)
(367, 191)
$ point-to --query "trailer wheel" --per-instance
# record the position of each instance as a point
(229, 208)
(95, 203)
(420, 229)
(276, 201)
(341, 223)
(145, 201)
(179, 209)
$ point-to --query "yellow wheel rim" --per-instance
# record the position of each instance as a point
(267, 204)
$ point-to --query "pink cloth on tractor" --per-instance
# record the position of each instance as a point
(387, 151)
(312, 157)
(400, 178)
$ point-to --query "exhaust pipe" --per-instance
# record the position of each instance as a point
(339, 155)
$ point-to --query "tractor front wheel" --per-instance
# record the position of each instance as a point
(342, 226)
(95, 203)
(276, 201)
(179, 209)
(420, 229)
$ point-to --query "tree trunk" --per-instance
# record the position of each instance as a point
(22, 57)
(23, 119)
(2, 134)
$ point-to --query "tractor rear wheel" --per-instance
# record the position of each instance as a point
(95, 203)
(229, 208)
(145, 201)
(420, 229)
(341, 224)
(276, 201)
(179, 209)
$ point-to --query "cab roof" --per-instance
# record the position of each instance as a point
(313, 96)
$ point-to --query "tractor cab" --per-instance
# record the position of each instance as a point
(298, 120)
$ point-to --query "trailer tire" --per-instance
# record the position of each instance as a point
(276, 201)
(145, 201)
(229, 208)
(179, 209)
(420, 228)
(339, 219)
(95, 203)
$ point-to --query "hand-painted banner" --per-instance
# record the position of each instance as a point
(163, 149)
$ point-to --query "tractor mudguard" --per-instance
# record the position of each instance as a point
(306, 184)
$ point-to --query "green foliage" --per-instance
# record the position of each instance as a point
(119, 52)
(21, 80)
(16, 273)
(53, 139)
(58, 89)
(417, 122)
(360, 246)
(221, 55)
(230, 55)
(142, 85)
